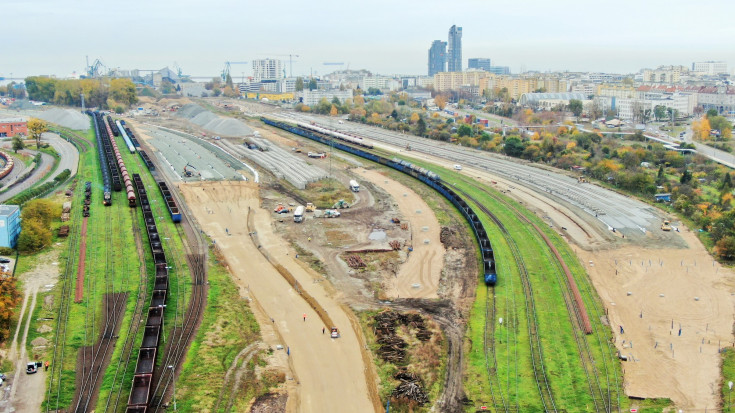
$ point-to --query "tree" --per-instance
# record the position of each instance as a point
(333, 111)
(122, 91)
(725, 247)
(228, 81)
(576, 106)
(299, 86)
(660, 177)
(414, 118)
(9, 299)
(36, 127)
(659, 111)
(513, 147)
(712, 113)
(726, 182)
(421, 126)
(18, 144)
(41, 210)
(686, 176)
(464, 130)
(440, 101)
(33, 236)
(312, 84)
(394, 114)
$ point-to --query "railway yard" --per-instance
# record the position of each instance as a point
(499, 286)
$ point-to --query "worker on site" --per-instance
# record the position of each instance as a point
(47, 364)
(304, 317)
(309, 239)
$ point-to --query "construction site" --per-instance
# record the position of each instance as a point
(357, 259)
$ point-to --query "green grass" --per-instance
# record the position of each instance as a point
(123, 272)
(228, 327)
(728, 375)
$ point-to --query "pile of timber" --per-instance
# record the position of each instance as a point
(354, 261)
(410, 389)
(64, 231)
(395, 244)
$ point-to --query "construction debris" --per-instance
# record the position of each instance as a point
(395, 244)
(64, 231)
(410, 389)
(354, 261)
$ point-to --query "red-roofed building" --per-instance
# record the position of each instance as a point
(13, 127)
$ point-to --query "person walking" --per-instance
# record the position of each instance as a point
(621, 330)
(323, 328)
(46, 365)
(304, 317)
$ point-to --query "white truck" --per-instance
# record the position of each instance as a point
(354, 186)
(298, 215)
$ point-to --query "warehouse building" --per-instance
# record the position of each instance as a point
(13, 127)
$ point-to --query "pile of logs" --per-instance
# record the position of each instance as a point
(395, 244)
(392, 347)
(354, 261)
(404, 226)
(410, 388)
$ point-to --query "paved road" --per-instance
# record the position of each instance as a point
(47, 162)
(68, 152)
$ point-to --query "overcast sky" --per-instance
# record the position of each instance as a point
(388, 37)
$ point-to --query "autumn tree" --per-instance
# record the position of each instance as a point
(36, 127)
(9, 299)
(333, 111)
(34, 236)
(41, 210)
(701, 128)
(725, 247)
(440, 101)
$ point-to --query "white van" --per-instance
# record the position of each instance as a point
(298, 215)
(458, 167)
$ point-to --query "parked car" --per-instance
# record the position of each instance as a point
(33, 367)
(4, 260)
(335, 332)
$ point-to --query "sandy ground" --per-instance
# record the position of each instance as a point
(327, 373)
(25, 392)
(663, 362)
(424, 264)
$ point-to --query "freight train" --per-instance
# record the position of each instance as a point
(140, 393)
(121, 164)
(325, 136)
(8, 164)
(104, 167)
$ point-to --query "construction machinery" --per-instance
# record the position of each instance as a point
(281, 209)
(226, 70)
(310, 207)
(341, 204)
(190, 170)
(666, 225)
(331, 213)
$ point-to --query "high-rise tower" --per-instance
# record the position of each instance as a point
(437, 57)
(454, 54)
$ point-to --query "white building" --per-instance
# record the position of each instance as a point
(681, 102)
(313, 97)
(711, 68)
(379, 82)
(267, 69)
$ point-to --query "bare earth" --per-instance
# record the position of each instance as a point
(424, 264)
(662, 362)
(326, 372)
(25, 392)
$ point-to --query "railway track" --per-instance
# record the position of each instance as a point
(134, 326)
(491, 361)
(57, 359)
(602, 394)
(537, 357)
(102, 349)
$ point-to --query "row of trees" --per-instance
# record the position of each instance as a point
(37, 216)
(104, 93)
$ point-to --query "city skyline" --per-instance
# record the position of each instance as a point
(569, 35)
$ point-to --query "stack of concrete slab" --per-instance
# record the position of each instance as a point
(282, 163)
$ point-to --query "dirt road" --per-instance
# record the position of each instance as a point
(327, 372)
(419, 275)
(25, 392)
